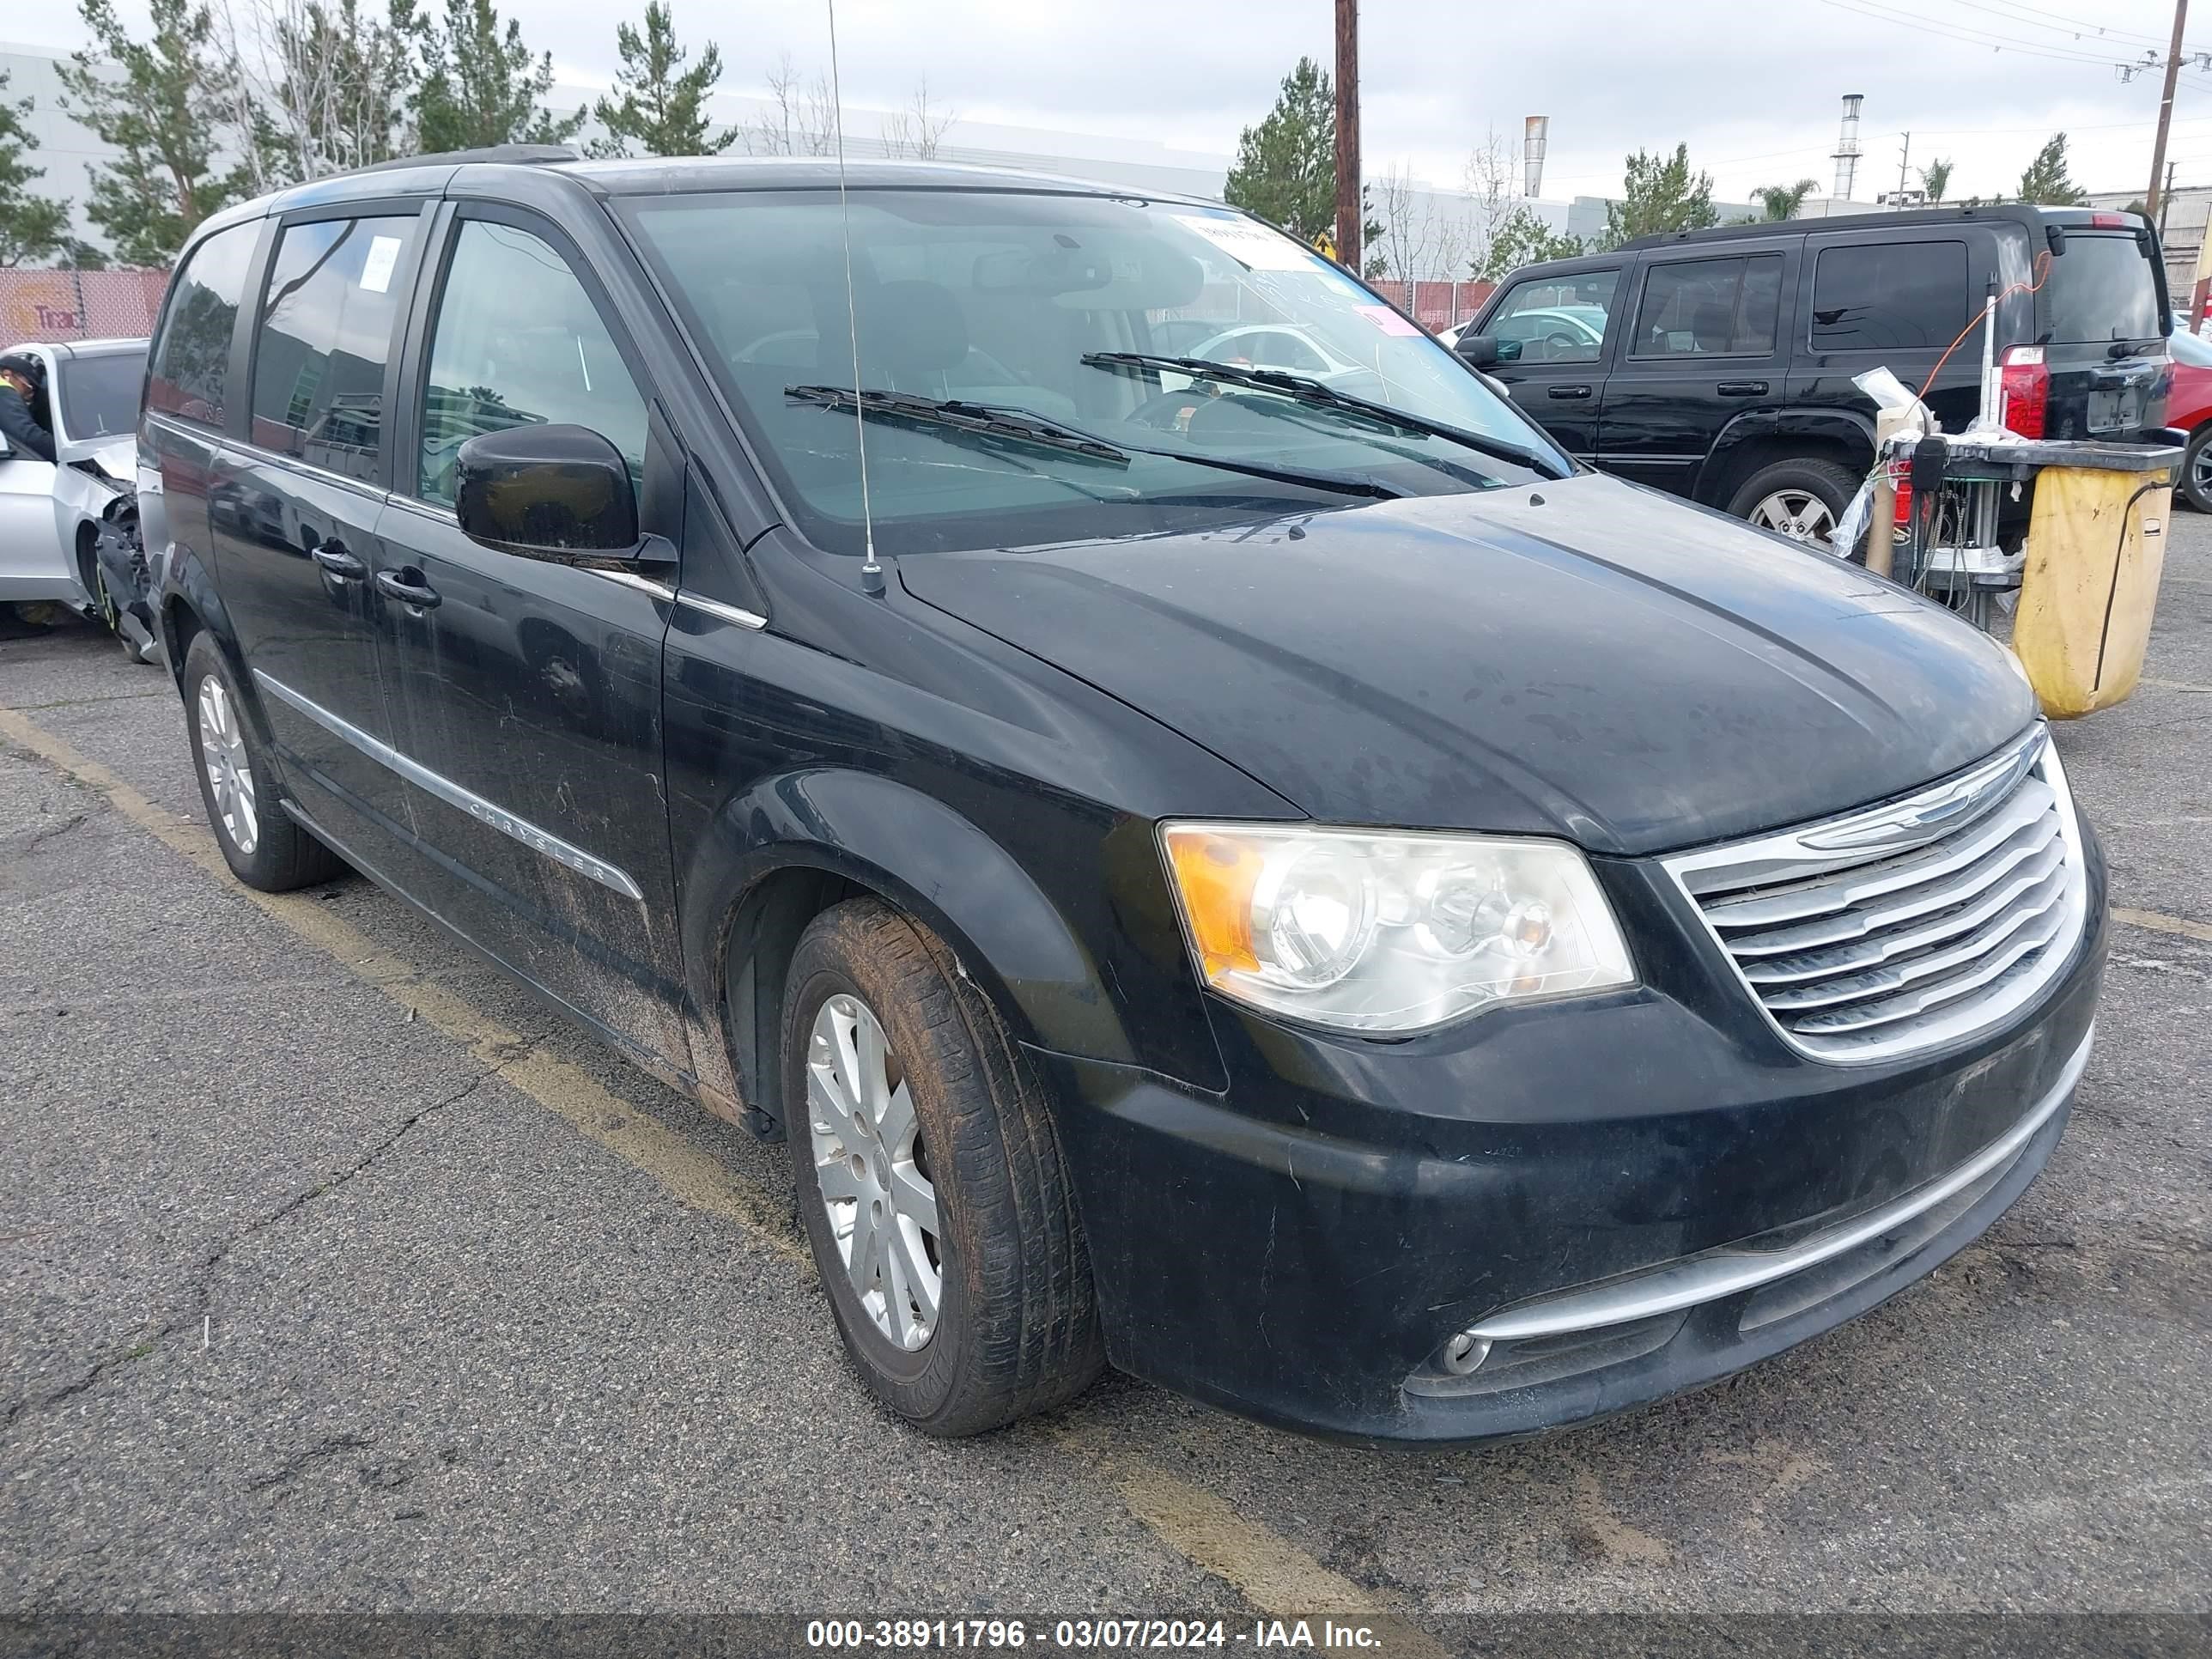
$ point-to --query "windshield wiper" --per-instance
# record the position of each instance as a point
(995, 424)
(1008, 424)
(1319, 394)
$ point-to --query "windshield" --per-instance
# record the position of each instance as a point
(99, 395)
(2100, 289)
(997, 298)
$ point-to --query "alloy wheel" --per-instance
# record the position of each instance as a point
(2200, 473)
(229, 773)
(873, 1173)
(1798, 514)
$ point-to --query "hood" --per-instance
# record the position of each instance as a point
(1586, 659)
(117, 457)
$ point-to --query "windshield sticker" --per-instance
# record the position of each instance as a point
(1387, 319)
(383, 257)
(1254, 246)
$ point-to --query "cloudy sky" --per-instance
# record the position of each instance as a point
(1752, 85)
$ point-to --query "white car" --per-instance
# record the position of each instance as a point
(50, 510)
(1283, 346)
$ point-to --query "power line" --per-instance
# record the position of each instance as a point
(2075, 26)
(1978, 37)
(2067, 24)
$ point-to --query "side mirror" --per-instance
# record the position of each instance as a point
(1482, 350)
(561, 493)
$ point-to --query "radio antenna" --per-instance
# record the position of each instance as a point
(872, 574)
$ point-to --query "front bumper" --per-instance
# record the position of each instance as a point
(1604, 1188)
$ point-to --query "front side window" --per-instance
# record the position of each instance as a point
(1557, 319)
(518, 342)
(1709, 307)
(325, 335)
(99, 395)
(192, 359)
(1054, 312)
(1888, 296)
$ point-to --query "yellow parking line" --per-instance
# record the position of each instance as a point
(2164, 924)
(693, 1176)
(1270, 1571)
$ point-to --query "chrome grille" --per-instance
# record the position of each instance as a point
(1895, 930)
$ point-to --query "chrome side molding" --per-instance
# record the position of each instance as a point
(538, 839)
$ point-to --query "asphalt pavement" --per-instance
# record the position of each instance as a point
(341, 1277)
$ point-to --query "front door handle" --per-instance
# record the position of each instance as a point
(1741, 388)
(407, 585)
(334, 558)
(1567, 392)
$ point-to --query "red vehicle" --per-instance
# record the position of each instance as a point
(2189, 406)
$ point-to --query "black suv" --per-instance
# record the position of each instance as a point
(1717, 364)
(1285, 884)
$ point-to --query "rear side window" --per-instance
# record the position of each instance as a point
(1885, 296)
(1710, 308)
(2100, 289)
(191, 359)
(326, 333)
(518, 341)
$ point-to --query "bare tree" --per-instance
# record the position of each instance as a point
(802, 119)
(1418, 243)
(1490, 179)
(918, 130)
(319, 87)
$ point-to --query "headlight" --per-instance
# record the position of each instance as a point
(1373, 931)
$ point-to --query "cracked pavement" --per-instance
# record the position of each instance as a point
(313, 1304)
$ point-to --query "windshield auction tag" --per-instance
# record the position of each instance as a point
(1254, 246)
(383, 256)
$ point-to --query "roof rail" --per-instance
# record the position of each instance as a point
(513, 154)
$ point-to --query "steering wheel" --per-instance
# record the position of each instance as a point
(1169, 412)
(1557, 344)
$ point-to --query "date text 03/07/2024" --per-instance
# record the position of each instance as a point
(1005, 1635)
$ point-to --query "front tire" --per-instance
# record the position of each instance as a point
(929, 1175)
(263, 847)
(2197, 469)
(1802, 499)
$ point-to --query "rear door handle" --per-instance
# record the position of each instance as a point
(1567, 392)
(333, 558)
(1741, 388)
(417, 592)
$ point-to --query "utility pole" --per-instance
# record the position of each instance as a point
(1348, 214)
(1904, 154)
(2164, 113)
(2166, 200)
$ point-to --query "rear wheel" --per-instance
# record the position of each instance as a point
(1802, 499)
(929, 1178)
(2197, 469)
(263, 847)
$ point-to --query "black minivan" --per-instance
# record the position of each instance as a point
(1717, 364)
(1287, 885)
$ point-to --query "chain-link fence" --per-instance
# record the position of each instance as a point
(68, 304)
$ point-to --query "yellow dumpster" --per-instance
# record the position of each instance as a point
(2096, 545)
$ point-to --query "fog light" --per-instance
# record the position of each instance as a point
(1465, 1352)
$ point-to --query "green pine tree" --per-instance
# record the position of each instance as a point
(2045, 183)
(1936, 178)
(1286, 168)
(31, 227)
(162, 102)
(480, 84)
(661, 108)
(1658, 194)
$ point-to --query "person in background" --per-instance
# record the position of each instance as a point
(24, 417)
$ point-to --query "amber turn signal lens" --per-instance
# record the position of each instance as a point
(1217, 874)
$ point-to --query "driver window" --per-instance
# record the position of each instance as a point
(519, 341)
(1557, 319)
